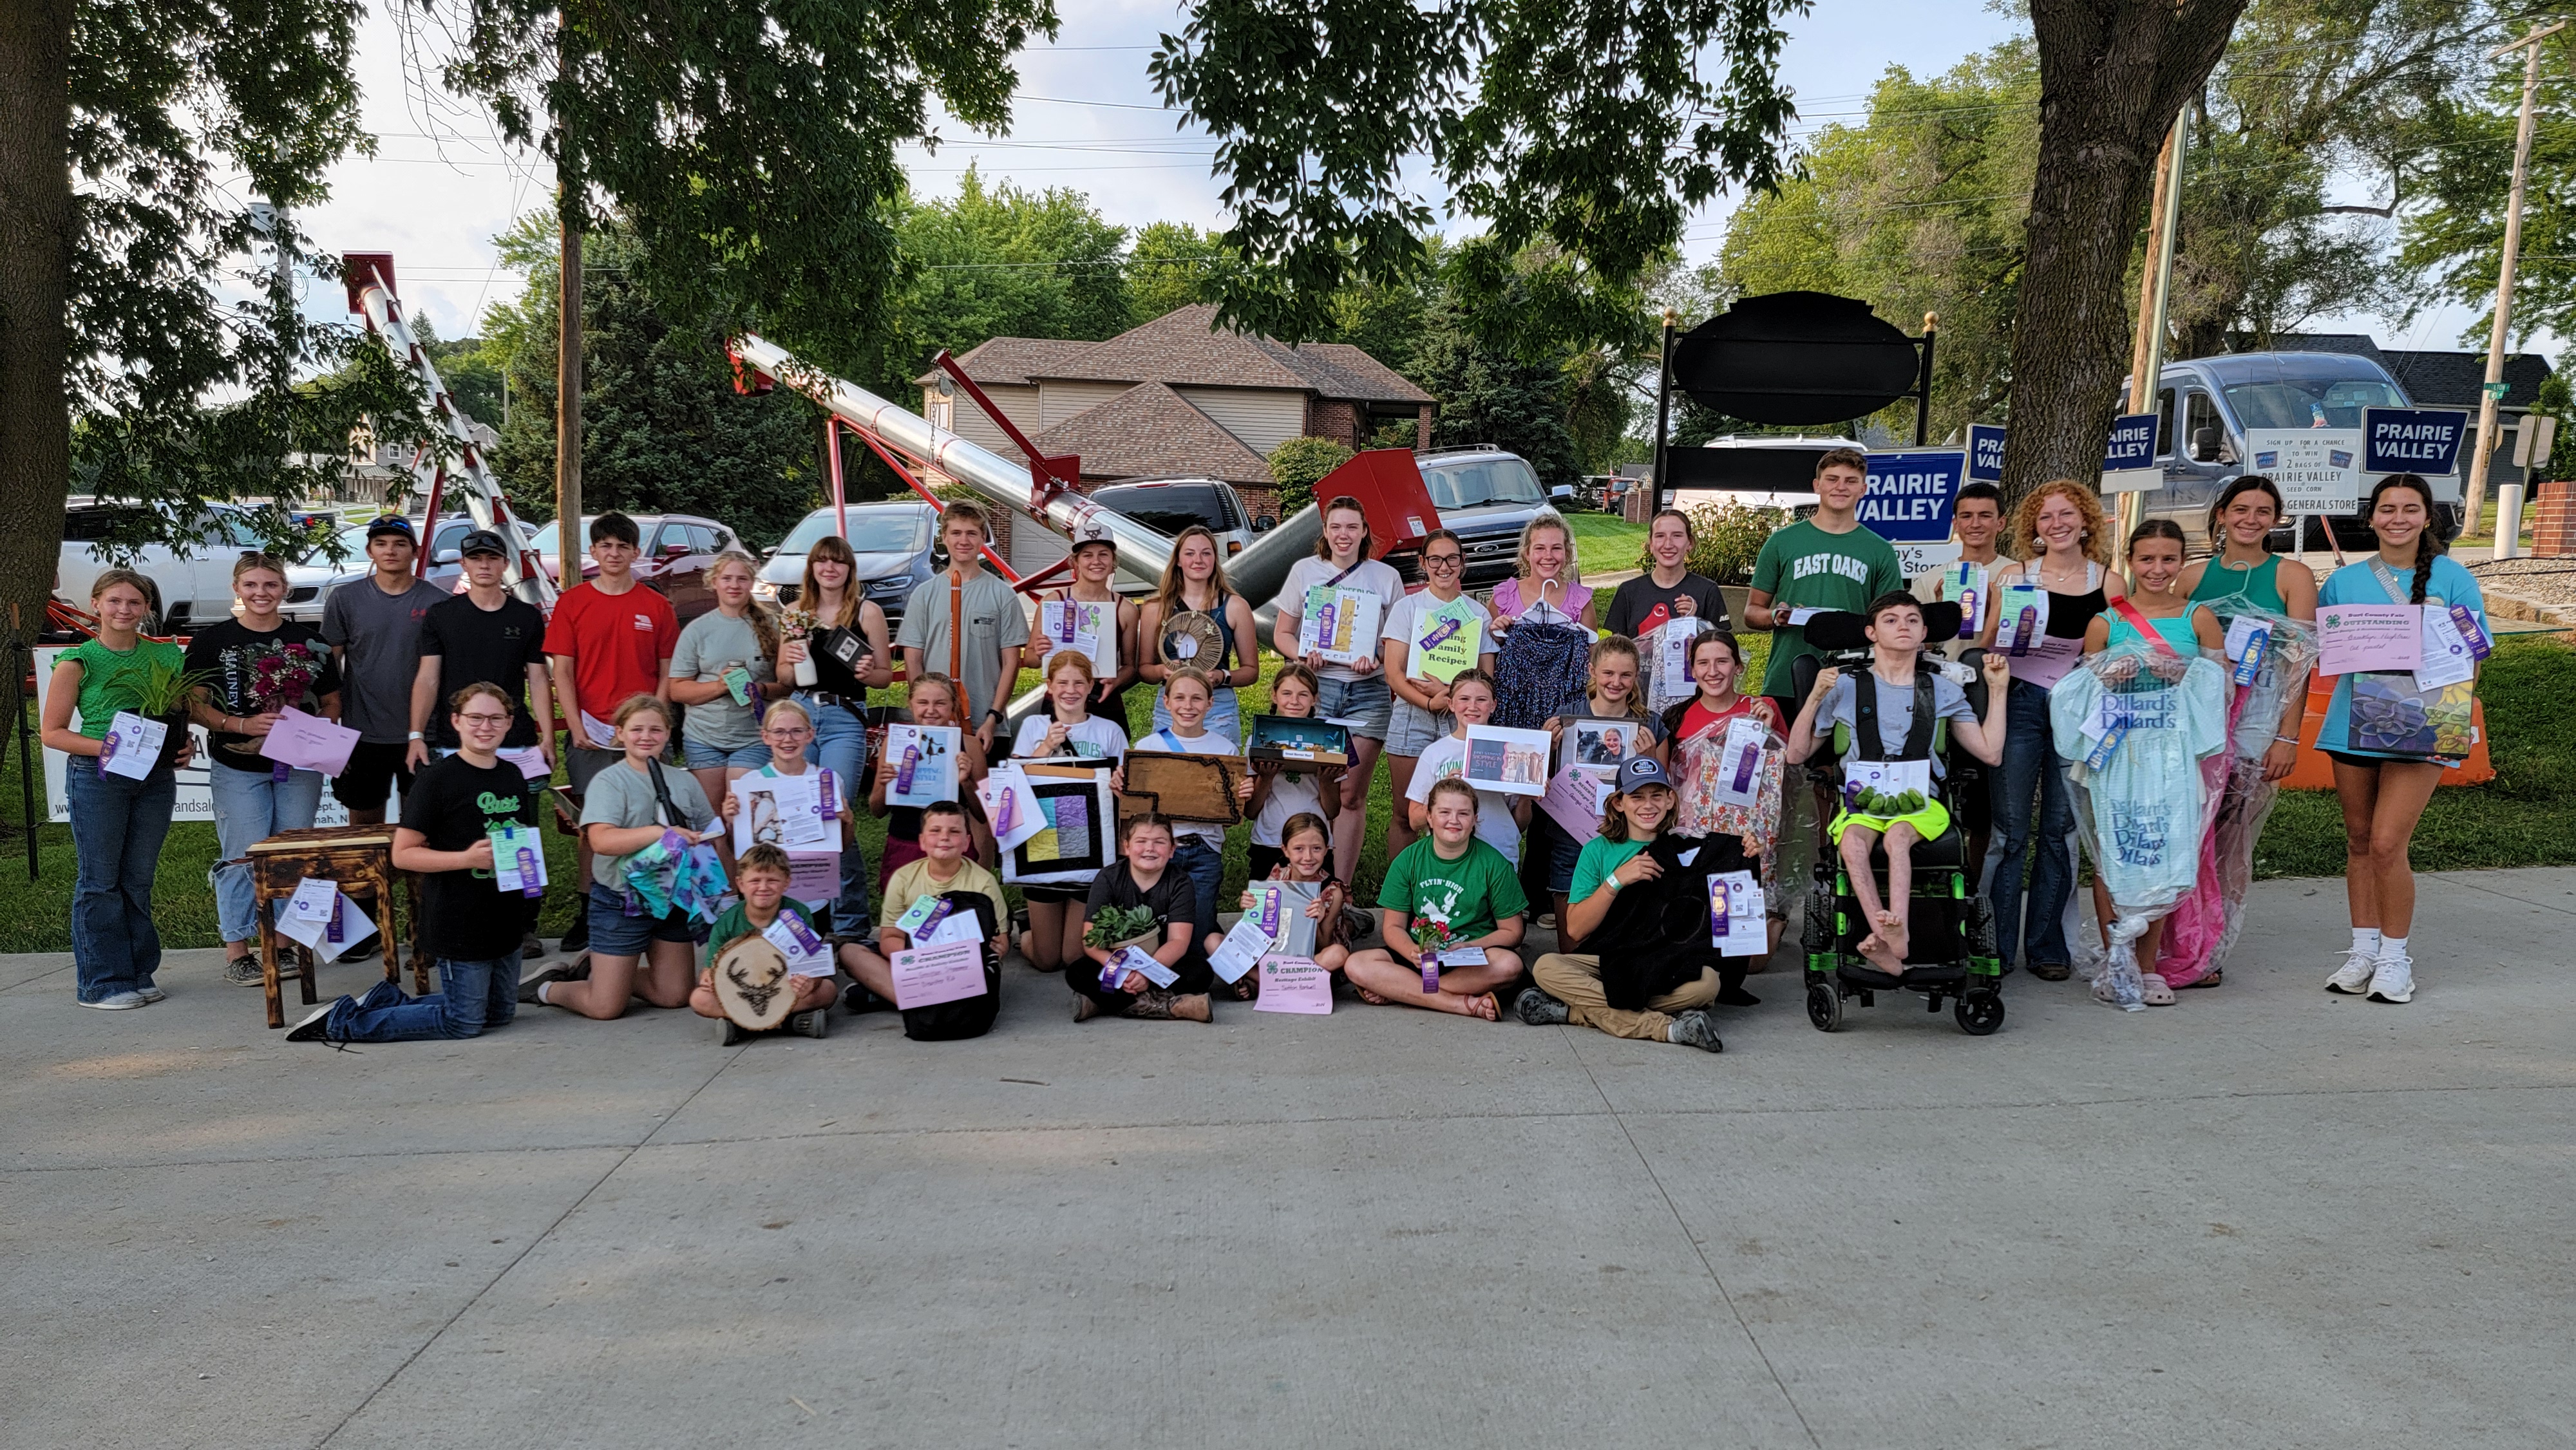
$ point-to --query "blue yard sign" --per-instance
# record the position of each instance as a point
(2412, 440)
(2129, 459)
(1910, 494)
(1985, 453)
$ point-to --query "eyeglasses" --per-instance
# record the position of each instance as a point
(787, 732)
(1443, 561)
(479, 719)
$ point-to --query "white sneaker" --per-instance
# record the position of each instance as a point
(2394, 982)
(120, 1002)
(2353, 977)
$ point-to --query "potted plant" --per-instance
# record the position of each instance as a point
(161, 691)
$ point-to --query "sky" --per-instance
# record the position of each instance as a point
(442, 186)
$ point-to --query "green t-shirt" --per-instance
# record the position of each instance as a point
(108, 678)
(1470, 893)
(736, 922)
(1803, 567)
(1600, 857)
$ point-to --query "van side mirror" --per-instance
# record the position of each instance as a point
(445, 556)
(1264, 524)
(2204, 445)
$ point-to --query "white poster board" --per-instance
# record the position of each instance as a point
(196, 797)
(2318, 470)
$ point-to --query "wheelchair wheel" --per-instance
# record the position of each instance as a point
(1980, 926)
(1980, 1013)
(1825, 1006)
(1818, 939)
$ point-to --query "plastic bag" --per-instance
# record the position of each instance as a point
(1698, 813)
(2138, 726)
(2207, 923)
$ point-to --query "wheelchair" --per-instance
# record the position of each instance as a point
(1950, 927)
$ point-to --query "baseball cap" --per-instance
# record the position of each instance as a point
(1090, 530)
(1640, 771)
(482, 541)
(389, 525)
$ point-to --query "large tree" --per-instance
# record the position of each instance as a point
(144, 279)
(2456, 236)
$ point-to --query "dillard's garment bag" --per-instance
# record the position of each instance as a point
(2136, 726)
(2204, 926)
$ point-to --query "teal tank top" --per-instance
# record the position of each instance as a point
(2177, 632)
(2259, 586)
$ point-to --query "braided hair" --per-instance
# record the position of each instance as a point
(2427, 544)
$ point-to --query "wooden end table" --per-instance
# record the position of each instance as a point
(361, 860)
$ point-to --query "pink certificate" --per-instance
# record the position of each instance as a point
(308, 742)
(1575, 799)
(2352, 638)
(1294, 984)
(928, 976)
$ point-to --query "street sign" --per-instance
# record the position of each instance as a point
(2318, 470)
(2129, 459)
(2412, 440)
(1985, 453)
(1910, 495)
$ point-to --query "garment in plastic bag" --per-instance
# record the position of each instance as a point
(672, 874)
(1698, 813)
(2205, 925)
(2136, 726)
(1650, 646)
(1538, 666)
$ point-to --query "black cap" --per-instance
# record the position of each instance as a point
(482, 541)
(392, 525)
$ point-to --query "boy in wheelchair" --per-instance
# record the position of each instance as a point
(1899, 708)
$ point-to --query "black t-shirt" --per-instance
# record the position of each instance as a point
(229, 656)
(454, 802)
(1171, 899)
(1640, 604)
(494, 646)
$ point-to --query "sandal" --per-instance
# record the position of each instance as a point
(2158, 994)
(2208, 978)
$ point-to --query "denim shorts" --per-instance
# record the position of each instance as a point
(1411, 729)
(615, 934)
(707, 757)
(1366, 700)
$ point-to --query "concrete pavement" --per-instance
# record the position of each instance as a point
(2266, 1217)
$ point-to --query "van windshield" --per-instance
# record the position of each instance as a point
(1485, 481)
(2310, 402)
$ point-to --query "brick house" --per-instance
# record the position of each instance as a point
(1175, 396)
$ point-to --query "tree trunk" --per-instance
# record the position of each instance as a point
(35, 293)
(2113, 75)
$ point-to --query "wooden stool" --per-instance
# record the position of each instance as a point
(361, 860)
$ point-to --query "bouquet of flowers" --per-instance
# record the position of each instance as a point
(279, 676)
(798, 624)
(1432, 938)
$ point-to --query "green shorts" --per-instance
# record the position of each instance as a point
(1931, 822)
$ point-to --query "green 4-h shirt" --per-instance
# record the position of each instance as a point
(1803, 567)
(1470, 893)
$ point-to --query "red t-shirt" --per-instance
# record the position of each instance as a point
(1699, 718)
(617, 642)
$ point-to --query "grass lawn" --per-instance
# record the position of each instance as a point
(1606, 544)
(2525, 817)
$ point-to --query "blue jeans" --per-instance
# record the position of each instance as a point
(1224, 717)
(2030, 768)
(118, 825)
(1205, 866)
(250, 807)
(473, 998)
(841, 747)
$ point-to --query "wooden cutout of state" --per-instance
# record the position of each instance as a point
(1183, 787)
(752, 984)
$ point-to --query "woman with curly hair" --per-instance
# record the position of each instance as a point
(2063, 548)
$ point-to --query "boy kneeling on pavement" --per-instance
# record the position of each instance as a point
(761, 874)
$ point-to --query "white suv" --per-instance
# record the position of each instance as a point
(194, 579)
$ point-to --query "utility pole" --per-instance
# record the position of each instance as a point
(1663, 407)
(2155, 286)
(568, 215)
(2493, 394)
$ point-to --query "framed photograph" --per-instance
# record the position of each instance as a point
(924, 761)
(1511, 761)
(1184, 787)
(1604, 745)
(1299, 740)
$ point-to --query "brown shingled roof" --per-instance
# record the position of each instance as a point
(1179, 347)
(1149, 431)
(1012, 361)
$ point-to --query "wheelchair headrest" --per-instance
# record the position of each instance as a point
(1835, 630)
